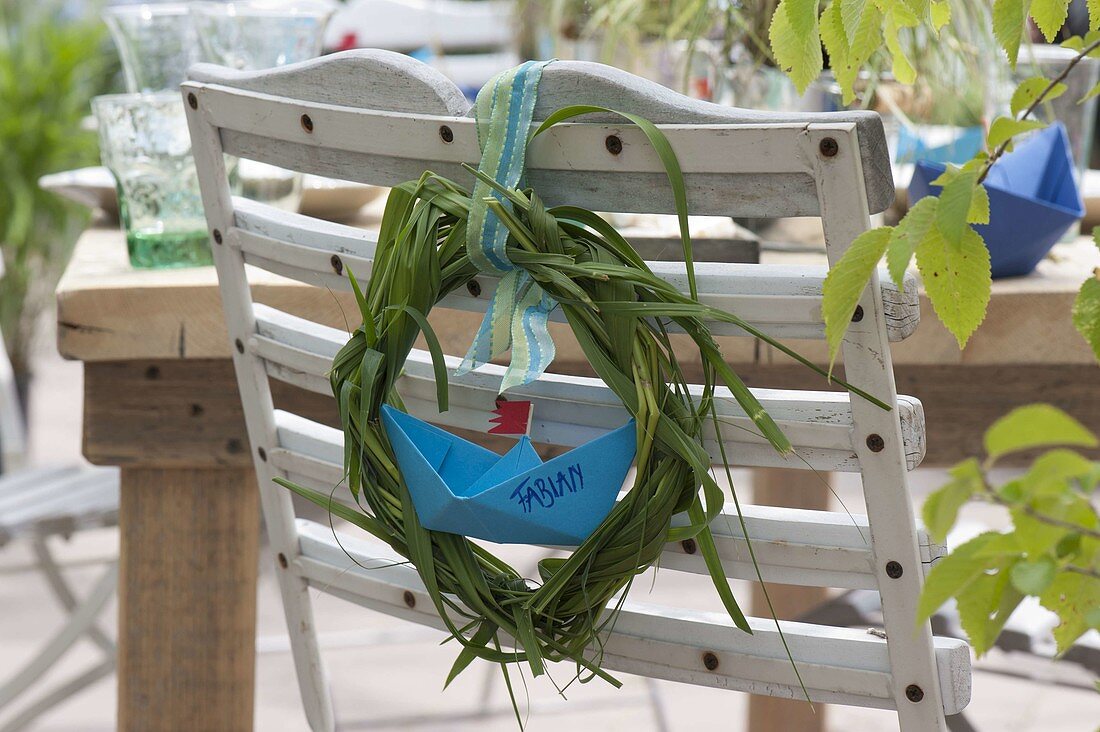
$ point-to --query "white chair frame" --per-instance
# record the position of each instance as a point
(377, 117)
(37, 504)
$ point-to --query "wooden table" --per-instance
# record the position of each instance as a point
(160, 402)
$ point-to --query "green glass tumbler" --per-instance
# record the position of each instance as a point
(143, 140)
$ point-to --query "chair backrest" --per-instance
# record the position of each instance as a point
(379, 118)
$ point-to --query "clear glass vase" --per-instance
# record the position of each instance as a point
(258, 35)
(143, 140)
(156, 43)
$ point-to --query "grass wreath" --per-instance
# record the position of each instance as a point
(619, 312)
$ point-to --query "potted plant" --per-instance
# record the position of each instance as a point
(51, 64)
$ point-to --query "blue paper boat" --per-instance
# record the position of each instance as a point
(938, 144)
(462, 488)
(1033, 200)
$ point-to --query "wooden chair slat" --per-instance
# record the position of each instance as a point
(377, 80)
(838, 665)
(781, 300)
(570, 410)
(800, 547)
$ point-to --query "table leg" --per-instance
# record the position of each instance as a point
(793, 489)
(187, 599)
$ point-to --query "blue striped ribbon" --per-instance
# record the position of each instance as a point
(517, 315)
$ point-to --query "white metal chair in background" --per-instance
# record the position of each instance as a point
(382, 118)
(37, 504)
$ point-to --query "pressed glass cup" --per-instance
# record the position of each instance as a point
(260, 35)
(144, 141)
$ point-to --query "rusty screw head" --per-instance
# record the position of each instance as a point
(217, 237)
(613, 144)
(282, 560)
(474, 288)
(894, 569)
(233, 446)
(710, 661)
(858, 314)
(337, 264)
(262, 453)
(240, 345)
(829, 147)
(446, 134)
(307, 123)
(689, 546)
(914, 693)
(152, 372)
(409, 598)
(875, 443)
(192, 100)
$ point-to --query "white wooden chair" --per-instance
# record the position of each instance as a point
(37, 504)
(381, 118)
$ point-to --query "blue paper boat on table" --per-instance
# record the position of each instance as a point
(462, 488)
(1033, 200)
(938, 143)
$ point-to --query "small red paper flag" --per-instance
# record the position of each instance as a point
(513, 418)
(347, 42)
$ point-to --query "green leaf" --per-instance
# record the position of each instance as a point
(846, 281)
(1090, 94)
(1008, 26)
(957, 279)
(1094, 14)
(1074, 43)
(1086, 314)
(906, 13)
(1029, 91)
(1073, 597)
(1004, 129)
(979, 206)
(984, 607)
(1033, 577)
(850, 47)
(909, 233)
(954, 572)
(1092, 617)
(954, 208)
(852, 13)
(901, 67)
(1036, 537)
(795, 41)
(1035, 425)
(1053, 471)
(439, 363)
(940, 14)
(1050, 16)
(941, 508)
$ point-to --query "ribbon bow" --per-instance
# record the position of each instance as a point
(517, 315)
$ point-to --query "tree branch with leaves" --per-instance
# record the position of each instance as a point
(1052, 549)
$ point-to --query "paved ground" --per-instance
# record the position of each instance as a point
(387, 675)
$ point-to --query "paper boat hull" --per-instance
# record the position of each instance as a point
(461, 488)
(1033, 201)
